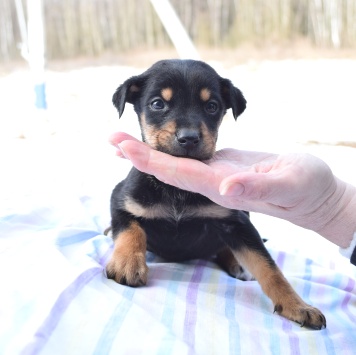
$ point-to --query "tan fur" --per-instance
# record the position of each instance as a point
(167, 94)
(166, 134)
(136, 209)
(205, 94)
(163, 136)
(148, 132)
(128, 261)
(286, 301)
(134, 88)
(162, 211)
(209, 139)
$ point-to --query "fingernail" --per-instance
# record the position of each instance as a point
(232, 189)
(121, 152)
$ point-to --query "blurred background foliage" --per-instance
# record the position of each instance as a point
(93, 27)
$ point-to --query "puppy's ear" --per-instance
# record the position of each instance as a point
(129, 92)
(233, 97)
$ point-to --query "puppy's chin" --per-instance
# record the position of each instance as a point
(197, 154)
(201, 157)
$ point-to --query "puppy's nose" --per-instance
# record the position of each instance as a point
(188, 138)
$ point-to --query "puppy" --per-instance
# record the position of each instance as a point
(180, 105)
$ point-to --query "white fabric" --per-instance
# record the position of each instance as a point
(347, 252)
(55, 298)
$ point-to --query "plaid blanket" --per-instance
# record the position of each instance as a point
(55, 298)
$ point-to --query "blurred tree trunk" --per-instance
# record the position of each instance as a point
(92, 27)
(7, 40)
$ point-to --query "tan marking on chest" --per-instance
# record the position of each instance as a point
(152, 212)
(160, 211)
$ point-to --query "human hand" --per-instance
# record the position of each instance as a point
(300, 188)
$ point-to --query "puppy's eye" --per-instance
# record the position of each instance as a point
(211, 107)
(157, 104)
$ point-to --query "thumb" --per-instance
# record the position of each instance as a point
(248, 186)
(231, 188)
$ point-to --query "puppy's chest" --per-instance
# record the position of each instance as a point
(174, 209)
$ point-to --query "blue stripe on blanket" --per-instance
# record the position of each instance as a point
(166, 347)
(114, 323)
(69, 236)
(42, 335)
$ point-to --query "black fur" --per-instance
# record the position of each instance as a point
(183, 238)
(180, 106)
(178, 239)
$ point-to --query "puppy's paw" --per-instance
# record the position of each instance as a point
(240, 273)
(302, 313)
(128, 270)
(226, 259)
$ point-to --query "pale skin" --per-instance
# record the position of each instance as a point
(299, 188)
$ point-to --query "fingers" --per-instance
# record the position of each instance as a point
(118, 137)
(244, 158)
(148, 160)
(187, 174)
(135, 151)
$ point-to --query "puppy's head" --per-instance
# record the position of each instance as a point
(180, 105)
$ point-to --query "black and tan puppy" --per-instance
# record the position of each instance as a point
(180, 105)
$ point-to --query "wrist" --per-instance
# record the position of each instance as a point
(339, 213)
(350, 251)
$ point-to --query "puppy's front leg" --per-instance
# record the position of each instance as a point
(128, 262)
(286, 301)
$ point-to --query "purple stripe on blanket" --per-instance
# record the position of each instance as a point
(191, 309)
(66, 297)
(344, 305)
(287, 324)
(280, 259)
